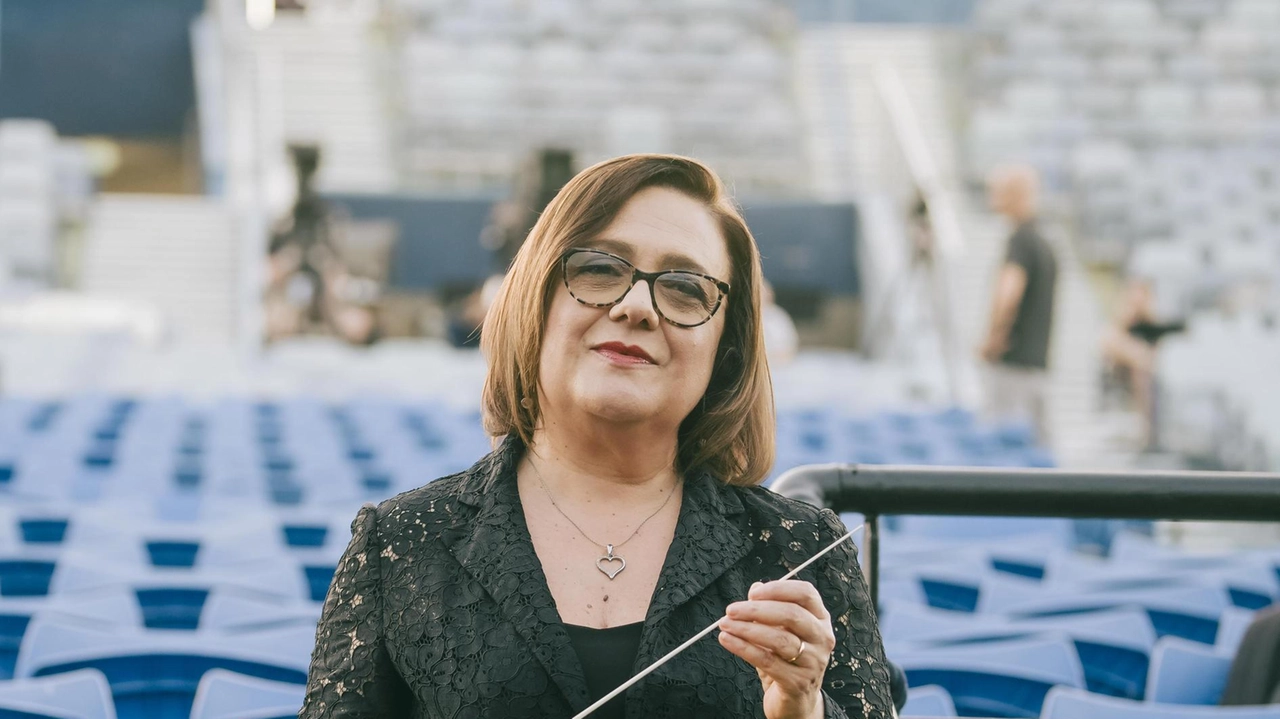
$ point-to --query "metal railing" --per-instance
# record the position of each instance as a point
(877, 490)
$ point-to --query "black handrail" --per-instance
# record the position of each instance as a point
(876, 490)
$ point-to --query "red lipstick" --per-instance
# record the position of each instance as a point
(624, 353)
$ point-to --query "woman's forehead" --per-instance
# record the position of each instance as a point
(661, 228)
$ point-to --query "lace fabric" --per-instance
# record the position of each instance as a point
(439, 608)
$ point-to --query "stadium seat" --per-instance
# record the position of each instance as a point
(929, 701)
(1184, 672)
(228, 695)
(81, 694)
(1068, 703)
(154, 675)
(25, 576)
(996, 679)
(1232, 625)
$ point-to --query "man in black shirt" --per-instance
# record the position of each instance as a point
(1017, 344)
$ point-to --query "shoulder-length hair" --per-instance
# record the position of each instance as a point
(730, 433)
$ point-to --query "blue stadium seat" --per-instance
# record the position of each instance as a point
(44, 530)
(1067, 703)
(305, 535)
(280, 577)
(1114, 646)
(227, 611)
(929, 701)
(319, 576)
(227, 695)
(82, 694)
(25, 577)
(1185, 672)
(1184, 611)
(172, 607)
(996, 679)
(155, 675)
(1232, 625)
(12, 628)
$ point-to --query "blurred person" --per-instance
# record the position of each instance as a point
(309, 289)
(631, 408)
(510, 221)
(1254, 677)
(1021, 323)
(781, 341)
(1129, 346)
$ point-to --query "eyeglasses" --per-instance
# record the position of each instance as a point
(681, 297)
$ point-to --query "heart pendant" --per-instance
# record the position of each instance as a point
(604, 564)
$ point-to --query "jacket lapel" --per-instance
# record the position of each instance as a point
(495, 548)
(706, 544)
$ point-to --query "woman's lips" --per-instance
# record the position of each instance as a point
(619, 353)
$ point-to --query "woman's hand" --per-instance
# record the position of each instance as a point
(784, 631)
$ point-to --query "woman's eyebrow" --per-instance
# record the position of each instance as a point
(625, 250)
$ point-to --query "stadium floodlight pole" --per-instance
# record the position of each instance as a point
(877, 490)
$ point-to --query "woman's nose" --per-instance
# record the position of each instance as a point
(636, 307)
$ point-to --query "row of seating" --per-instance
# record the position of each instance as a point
(194, 584)
(1227, 418)
(998, 625)
(1049, 76)
(304, 452)
(483, 83)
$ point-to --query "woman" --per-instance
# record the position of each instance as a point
(1129, 345)
(621, 513)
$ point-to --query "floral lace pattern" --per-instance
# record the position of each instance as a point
(439, 608)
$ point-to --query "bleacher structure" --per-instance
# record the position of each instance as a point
(482, 84)
(167, 558)
(1158, 122)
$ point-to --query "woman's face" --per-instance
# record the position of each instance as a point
(624, 364)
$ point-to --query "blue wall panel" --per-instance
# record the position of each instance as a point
(109, 67)
(809, 246)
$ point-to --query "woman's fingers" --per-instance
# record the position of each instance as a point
(792, 590)
(762, 659)
(778, 641)
(793, 618)
(783, 630)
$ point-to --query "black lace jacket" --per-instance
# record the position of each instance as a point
(439, 608)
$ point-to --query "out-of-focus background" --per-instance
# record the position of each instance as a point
(245, 246)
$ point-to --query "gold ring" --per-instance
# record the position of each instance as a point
(799, 651)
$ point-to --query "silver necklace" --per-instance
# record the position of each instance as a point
(610, 564)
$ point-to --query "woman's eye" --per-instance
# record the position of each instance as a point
(602, 270)
(688, 287)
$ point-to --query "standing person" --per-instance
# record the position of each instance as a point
(621, 513)
(1017, 344)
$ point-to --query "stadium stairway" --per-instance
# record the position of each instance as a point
(855, 151)
(176, 254)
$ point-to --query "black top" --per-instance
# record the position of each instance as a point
(1153, 332)
(439, 608)
(607, 656)
(1029, 336)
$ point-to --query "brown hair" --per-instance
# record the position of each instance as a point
(731, 431)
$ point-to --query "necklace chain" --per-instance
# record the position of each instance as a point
(611, 547)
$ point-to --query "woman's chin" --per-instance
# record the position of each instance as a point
(621, 407)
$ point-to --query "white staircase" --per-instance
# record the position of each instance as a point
(323, 68)
(177, 254)
(864, 157)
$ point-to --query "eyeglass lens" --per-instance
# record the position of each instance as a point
(682, 297)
